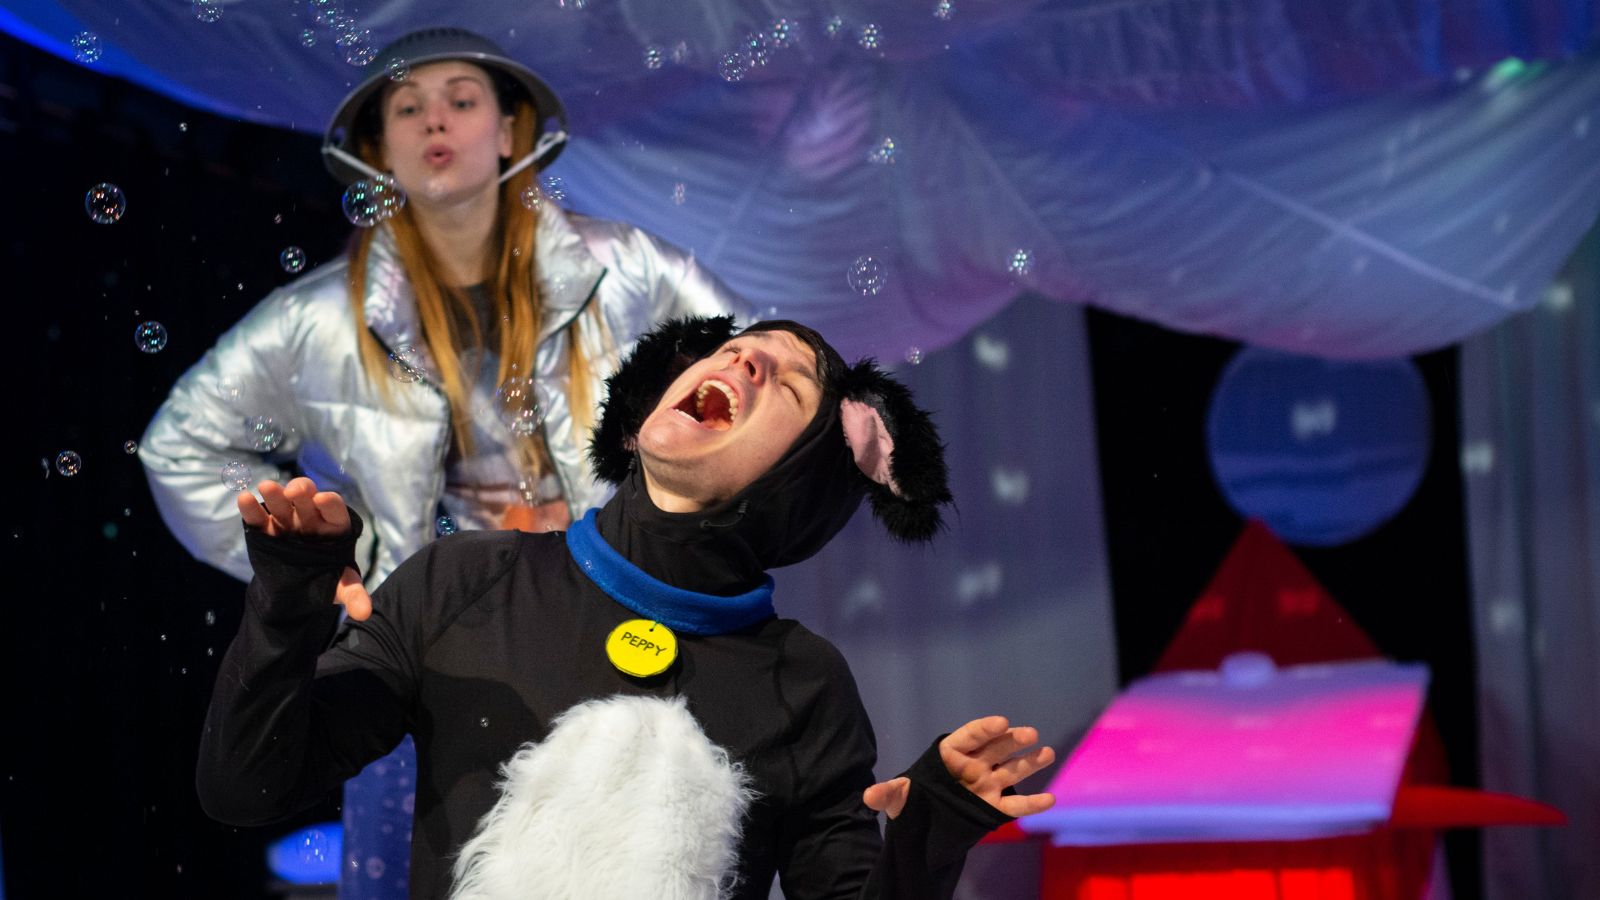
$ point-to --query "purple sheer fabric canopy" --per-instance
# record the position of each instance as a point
(1344, 180)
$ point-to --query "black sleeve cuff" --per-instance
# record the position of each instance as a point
(296, 575)
(952, 818)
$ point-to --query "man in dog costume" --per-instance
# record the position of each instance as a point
(616, 711)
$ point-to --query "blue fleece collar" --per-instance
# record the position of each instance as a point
(657, 601)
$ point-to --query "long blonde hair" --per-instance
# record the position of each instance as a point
(513, 288)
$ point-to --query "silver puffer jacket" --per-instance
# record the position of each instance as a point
(295, 358)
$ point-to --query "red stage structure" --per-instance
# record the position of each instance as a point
(1263, 601)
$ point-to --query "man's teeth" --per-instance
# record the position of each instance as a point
(700, 399)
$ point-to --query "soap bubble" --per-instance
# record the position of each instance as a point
(358, 51)
(236, 476)
(230, 388)
(308, 38)
(211, 617)
(869, 36)
(652, 57)
(1020, 262)
(943, 10)
(914, 356)
(531, 198)
(445, 526)
(733, 66)
(130, 447)
(265, 434)
(865, 275)
(86, 47)
(519, 403)
(398, 69)
(150, 337)
(756, 49)
(371, 200)
(883, 154)
(555, 188)
(678, 194)
(680, 53)
(104, 203)
(293, 259)
(325, 12)
(781, 34)
(207, 11)
(68, 463)
(405, 364)
(834, 26)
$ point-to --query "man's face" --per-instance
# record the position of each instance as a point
(728, 419)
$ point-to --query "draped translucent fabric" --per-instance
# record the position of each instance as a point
(1348, 180)
(1530, 402)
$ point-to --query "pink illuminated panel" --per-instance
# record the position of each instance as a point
(1244, 753)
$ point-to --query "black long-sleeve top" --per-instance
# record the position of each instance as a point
(479, 641)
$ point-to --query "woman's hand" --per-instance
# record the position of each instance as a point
(984, 756)
(299, 508)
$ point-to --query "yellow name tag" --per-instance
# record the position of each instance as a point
(641, 648)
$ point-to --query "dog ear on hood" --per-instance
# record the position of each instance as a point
(633, 391)
(898, 451)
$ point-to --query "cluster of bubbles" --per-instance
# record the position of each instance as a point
(398, 69)
(313, 847)
(834, 26)
(293, 260)
(105, 203)
(755, 50)
(405, 364)
(353, 41)
(869, 36)
(445, 526)
(782, 34)
(555, 188)
(517, 403)
(207, 11)
(943, 10)
(372, 200)
(652, 57)
(150, 337)
(914, 356)
(678, 194)
(86, 47)
(866, 276)
(883, 153)
(69, 463)
(264, 433)
(531, 198)
(1020, 262)
(236, 476)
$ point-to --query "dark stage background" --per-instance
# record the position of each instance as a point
(112, 633)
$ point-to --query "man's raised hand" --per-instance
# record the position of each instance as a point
(299, 508)
(985, 756)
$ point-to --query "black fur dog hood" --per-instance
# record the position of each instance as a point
(867, 440)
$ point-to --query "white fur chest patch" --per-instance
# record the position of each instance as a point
(626, 797)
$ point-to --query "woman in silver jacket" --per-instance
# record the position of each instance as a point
(444, 372)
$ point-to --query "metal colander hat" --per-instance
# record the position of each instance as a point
(437, 45)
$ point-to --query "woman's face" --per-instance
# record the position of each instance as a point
(444, 134)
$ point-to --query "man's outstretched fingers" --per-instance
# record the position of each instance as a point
(251, 511)
(332, 509)
(1017, 768)
(1019, 805)
(353, 596)
(972, 736)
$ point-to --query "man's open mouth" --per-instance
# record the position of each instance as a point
(713, 404)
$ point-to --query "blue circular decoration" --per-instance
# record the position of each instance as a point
(1323, 452)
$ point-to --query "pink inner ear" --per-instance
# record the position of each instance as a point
(869, 440)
